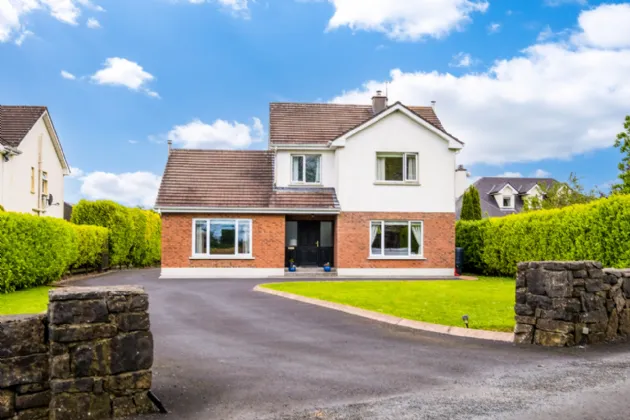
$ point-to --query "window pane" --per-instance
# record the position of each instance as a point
(416, 239)
(326, 234)
(396, 239)
(244, 237)
(291, 234)
(380, 169)
(393, 168)
(298, 169)
(312, 168)
(411, 168)
(375, 238)
(201, 233)
(222, 238)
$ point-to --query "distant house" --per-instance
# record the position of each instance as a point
(501, 196)
(366, 189)
(32, 162)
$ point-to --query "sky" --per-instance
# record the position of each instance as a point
(533, 87)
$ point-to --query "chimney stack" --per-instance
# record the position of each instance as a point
(170, 146)
(379, 102)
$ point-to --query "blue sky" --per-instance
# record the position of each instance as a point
(532, 86)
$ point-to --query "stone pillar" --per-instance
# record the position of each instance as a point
(24, 393)
(101, 352)
(571, 303)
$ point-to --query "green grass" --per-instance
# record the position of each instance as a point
(29, 301)
(488, 302)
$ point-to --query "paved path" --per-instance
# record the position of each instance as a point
(225, 352)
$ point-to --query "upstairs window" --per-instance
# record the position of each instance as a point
(306, 169)
(507, 202)
(397, 167)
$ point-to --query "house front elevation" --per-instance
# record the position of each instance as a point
(367, 189)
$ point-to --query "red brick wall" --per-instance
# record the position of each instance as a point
(352, 247)
(267, 238)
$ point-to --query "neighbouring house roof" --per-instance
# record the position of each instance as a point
(488, 186)
(16, 121)
(243, 179)
(317, 124)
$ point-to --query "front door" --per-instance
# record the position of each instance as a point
(308, 243)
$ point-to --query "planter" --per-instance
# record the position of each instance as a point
(292, 268)
(327, 269)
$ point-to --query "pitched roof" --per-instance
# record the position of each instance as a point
(16, 121)
(487, 186)
(299, 123)
(232, 179)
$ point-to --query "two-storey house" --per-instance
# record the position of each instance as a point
(368, 189)
(32, 162)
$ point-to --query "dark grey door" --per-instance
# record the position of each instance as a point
(308, 243)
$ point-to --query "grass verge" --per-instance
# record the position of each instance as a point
(29, 301)
(488, 302)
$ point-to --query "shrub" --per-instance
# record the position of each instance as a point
(598, 231)
(91, 244)
(34, 250)
(113, 216)
(146, 247)
(1, 208)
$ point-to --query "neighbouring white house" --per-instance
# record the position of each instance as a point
(366, 189)
(32, 162)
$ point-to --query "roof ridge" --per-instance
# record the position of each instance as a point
(219, 150)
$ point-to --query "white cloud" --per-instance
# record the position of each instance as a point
(541, 173)
(133, 141)
(510, 175)
(555, 3)
(67, 75)
(122, 72)
(554, 100)
(93, 23)
(462, 60)
(75, 173)
(239, 8)
(405, 19)
(131, 188)
(20, 39)
(607, 26)
(12, 13)
(218, 135)
(494, 28)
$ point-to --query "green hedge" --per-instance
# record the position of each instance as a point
(34, 250)
(134, 234)
(91, 244)
(598, 231)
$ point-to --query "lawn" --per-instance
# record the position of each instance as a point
(488, 302)
(29, 301)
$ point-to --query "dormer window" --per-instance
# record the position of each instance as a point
(507, 202)
(306, 169)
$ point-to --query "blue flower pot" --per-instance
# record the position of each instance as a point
(327, 269)
(292, 268)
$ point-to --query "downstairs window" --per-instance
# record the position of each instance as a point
(396, 239)
(222, 237)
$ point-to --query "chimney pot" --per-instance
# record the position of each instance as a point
(170, 146)
(379, 102)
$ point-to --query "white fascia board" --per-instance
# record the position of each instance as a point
(56, 143)
(301, 147)
(453, 143)
(244, 210)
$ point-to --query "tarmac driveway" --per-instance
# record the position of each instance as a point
(225, 352)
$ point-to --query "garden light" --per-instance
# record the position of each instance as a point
(465, 319)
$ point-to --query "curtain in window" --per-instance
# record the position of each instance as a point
(380, 169)
(201, 231)
(411, 168)
(297, 174)
(375, 238)
(244, 235)
(416, 229)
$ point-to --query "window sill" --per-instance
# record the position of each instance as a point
(391, 183)
(221, 257)
(393, 257)
(306, 184)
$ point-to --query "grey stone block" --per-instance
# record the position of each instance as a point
(38, 399)
(80, 406)
(579, 274)
(133, 321)
(131, 352)
(525, 320)
(538, 301)
(29, 388)
(23, 370)
(600, 316)
(81, 332)
(551, 339)
(593, 284)
(554, 326)
(143, 403)
(139, 303)
(535, 282)
(74, 385)
(523, 310)
(7, 403)
(60, 366)
(32, 414)
(78, 311)
(575, 265)
(91, 359)
(128, 383)
(558, 284)
(22, 335)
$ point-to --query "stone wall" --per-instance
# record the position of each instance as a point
(24, 389)
(571, 303)
(89, 357)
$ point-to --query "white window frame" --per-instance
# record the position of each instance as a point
(503, 198)
(402, 155)
(236, 256)
(319, 169)
(409, 255)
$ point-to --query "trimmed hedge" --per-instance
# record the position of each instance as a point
(599, 230)
(134, 234)
(91, 244)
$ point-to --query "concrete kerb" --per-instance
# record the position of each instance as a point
(393, 320)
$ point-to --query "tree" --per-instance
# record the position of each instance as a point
(471, 205)
(623, 143)
(560, 194)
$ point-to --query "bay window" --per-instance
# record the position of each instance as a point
(306, 169)
(397, 167)
(222, 238)
(396, 239)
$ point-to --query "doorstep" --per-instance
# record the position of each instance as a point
(311, 273)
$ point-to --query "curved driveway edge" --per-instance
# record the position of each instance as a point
(390, 319)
